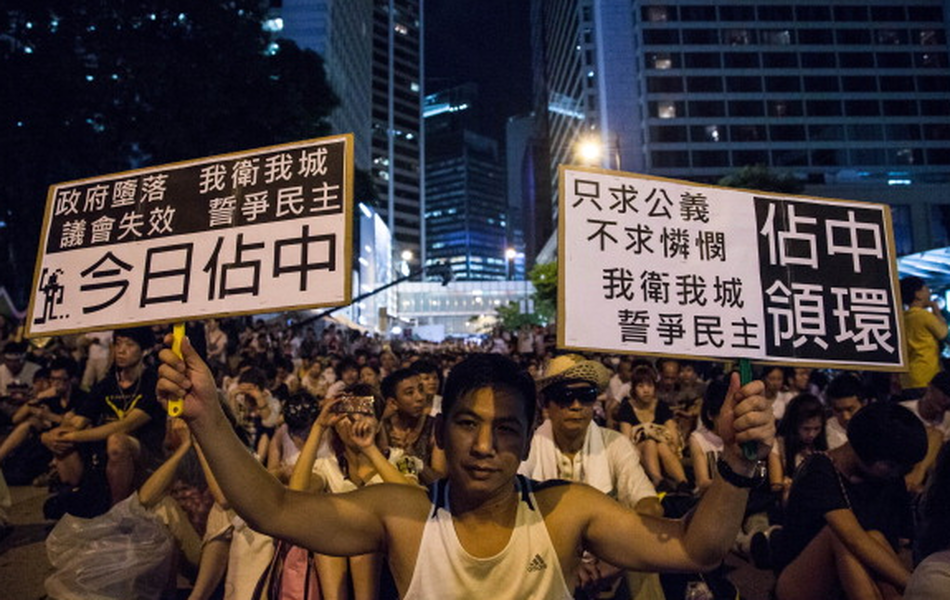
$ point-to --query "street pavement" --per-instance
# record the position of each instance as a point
(24, 565)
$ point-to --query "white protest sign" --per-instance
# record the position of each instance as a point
(658, 266)
(256, 231)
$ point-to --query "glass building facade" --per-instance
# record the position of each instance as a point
(852, 97)
(809, 87)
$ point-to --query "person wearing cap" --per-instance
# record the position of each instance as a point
(116, 433)
(847, 509)
(933, 410)
(483, 531)
(568, 445)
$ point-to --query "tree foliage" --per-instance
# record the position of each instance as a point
(544, 279)
(760, 177)
(101, 86)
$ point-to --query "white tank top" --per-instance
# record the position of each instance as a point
(527, 567)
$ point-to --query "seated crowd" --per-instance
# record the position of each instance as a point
(335, 411)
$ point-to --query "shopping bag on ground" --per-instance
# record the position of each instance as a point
(124, 553)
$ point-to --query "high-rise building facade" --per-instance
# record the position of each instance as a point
(372, 52)
(466, 207)
(852, 97)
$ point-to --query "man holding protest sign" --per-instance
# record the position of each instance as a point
(483, 528)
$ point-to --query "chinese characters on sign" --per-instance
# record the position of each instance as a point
(248, 232)
(671, 267)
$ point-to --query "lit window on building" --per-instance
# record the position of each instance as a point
(661, 60)
(401, 29)
(666, 110)
(777, 37)
(656, 14)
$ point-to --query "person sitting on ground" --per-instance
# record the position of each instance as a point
(347, 372)
(482, 528)
(256, 409)
(652, 428)
(800, 434)
(845, 512)
(46, 409)
(933, 410)
(775, 390)
(154, 495)
(406, 424)
(16, 379)
(705, 444)
(351, 419)
(571, 447)
(369, 374)
(430, 376)
(118, 431)
(845, 395)
(617, 390)
(705, 448)
(931, 577)
(298, 412)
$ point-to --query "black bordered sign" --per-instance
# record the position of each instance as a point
(659, 266)
(256, 231)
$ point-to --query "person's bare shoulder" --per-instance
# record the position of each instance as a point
(404, 510)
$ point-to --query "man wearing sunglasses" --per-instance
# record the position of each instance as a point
(570, 446)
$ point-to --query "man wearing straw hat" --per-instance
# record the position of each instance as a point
(570, 446)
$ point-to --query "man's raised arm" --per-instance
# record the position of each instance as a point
(339, 524)
(700, 540)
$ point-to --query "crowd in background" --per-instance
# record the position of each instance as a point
(326, 409)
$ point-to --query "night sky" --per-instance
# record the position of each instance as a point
(485, 41)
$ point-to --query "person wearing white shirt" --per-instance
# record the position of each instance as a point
(570, 446)
(846, 396)
(933, 410)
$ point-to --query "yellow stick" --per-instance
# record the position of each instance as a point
(176, 407)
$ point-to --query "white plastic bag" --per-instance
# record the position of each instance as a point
(125, 553)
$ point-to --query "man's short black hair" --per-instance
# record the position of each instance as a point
(143, 336)
(493, 371)
(62, 363)
(392, 381)
(426, 366)
(884, 431)
(14, 347)
(845, 386)
(254, 376)
(910, 285)
(346, 364)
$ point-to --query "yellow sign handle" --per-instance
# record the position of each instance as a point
(176, 407)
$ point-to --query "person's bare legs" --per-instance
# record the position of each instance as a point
(650, 459)
(813, 573)
(672, 465)
(365, 570)
(211, 568)
(332, 571)
(20, 434)
(888, 590)
(122, 451)
(855, 579)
